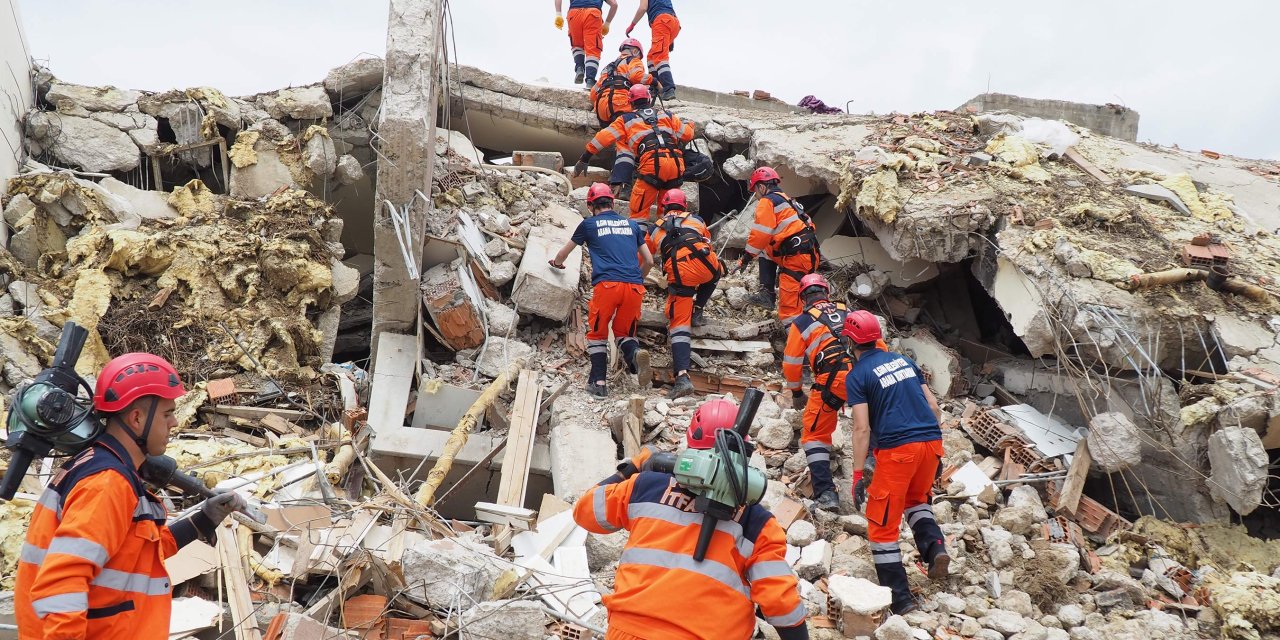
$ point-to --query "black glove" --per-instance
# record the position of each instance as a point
(860, 492)
(217, 508)
(742, 264)
(579, 169)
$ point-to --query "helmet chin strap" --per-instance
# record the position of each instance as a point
(141, 440)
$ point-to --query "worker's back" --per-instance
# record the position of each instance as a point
(660, 591)
(890, 384)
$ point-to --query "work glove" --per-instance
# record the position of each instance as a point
(604, 29)
(633, 26)
(560, 22)
(580, 169)
(638, 462)
(797, 399)
(217, 508)
(860, 485)
(741, 265)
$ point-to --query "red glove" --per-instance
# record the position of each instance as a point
(859, 490)
(633, 26)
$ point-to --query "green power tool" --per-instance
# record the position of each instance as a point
(720, 478)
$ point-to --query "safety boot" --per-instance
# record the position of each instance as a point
(668, 93)
(938, 566)
(644, 373)
(597, 390)
(624, 191)
(698, 319)
(578, 75)
(827, 501)
(683, 386)
(763, 299)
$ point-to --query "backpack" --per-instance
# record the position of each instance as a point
(680, 237)
(611, 82)
(659, 158)
(697, 166)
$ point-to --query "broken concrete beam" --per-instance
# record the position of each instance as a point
(940, 363)
(552, 160)
(581, 454)
(1114, 442)
(1240, 337)
(1158, 193)
(152, 205)
(847, 250)
(354, 78)
(83, 143)
(91, 98)
(438, 572)
(505, 619)
(299, 103)
(540, 288)
(1238, 463)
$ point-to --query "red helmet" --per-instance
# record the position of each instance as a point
(674, 199)
(132, 376)
(711, 417)
(631, 42)
(639, 92)
(763, 174)
(861, 327)
(814, 280)
(597, 191)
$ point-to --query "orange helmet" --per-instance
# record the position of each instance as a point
(710, 417)
(132, 376)
(763, 174)
(861, 327)
(639, 92)
(674, 199)
(597, 191)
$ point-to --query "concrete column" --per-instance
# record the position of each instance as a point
(406, 144)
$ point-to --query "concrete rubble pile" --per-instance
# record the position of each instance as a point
(1089, 405)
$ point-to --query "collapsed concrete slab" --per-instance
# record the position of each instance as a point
(582, 450)
(844, 250)
(450, 572)
(82, 142)
(540, 288)
(354, 78)
(1240, 468)
(940, 364)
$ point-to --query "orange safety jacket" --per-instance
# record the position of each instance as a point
(780, 230)
(610, 96)
(679, 237)
(660, 591)
(654, 150)
(92, 565)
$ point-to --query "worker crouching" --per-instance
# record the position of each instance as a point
(783, 234)
(661, 592)
(683, 242)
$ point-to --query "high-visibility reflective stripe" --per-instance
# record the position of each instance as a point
(624, 159)
(682, 518)
(792, 385)
(79, 547)
(786, 222)
(814, 326)
(813, 346)
(680, 339)
(754, 251)
(577, 50)
(770, 569)
(149, 510)
(918, 513)
(592, 60)
(61, 603)
(668, 560)
(678, 328)
(795, 617)
(32, 554)
(52, 501)
(792, 360)
(597, 349)
(788, 320)
(598, 509)
(818, 456)
(761, 228)
(885, 552)
(132, 582)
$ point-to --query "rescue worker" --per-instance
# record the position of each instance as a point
(92, 565)
(782, 233)
(896, 417)
(816, 336)
(619, 260)
(664, 26)
(586, 32)
(611, 96)
(683, 243)
(650, 142)
(660, 591)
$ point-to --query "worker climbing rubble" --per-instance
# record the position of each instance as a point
(619, 260)
(783, 234)
(92, 565)
(586, 32)
(683, 243)
(664, 26)
(895, 417)
(610, 95)
(815, 337)
(650, 140)
(670, 583)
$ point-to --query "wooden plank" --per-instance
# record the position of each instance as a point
(257, 413)
(517, 518)
(519, 451)
(631, 427)
(1073, 486)
(1088, 167)
(237, 585)
(732, 346)
(246, 438)
(392, 379)
(278, 425)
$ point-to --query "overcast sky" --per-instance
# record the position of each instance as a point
(1202, 75)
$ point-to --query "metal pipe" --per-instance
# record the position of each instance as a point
(1148, 280)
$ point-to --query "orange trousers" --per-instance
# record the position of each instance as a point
(790, 270)
(664, 30)
(903, 479)
(613, 304)
(584, 34)
(819, 419)
(644, 197)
